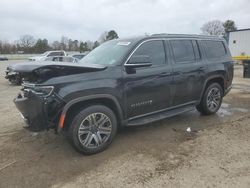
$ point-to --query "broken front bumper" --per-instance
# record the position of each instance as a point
(9, 73)
(13, 77)
(40, 109)
(32, 110)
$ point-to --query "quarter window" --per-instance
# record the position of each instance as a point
(214, 49)
(153, 49)
(183, 50)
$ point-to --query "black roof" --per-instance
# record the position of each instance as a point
(185, 36)
(137, 39)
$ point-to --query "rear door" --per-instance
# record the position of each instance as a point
(188, 69)
(218, 59)
(148, 89)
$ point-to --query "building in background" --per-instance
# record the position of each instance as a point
(239, 44)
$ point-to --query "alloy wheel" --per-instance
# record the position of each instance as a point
(94, 130)
(214, 99)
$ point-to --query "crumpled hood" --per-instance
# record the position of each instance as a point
(31, 66)
(38, 72)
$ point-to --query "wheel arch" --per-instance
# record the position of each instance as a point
(74, 105)
(213, 79)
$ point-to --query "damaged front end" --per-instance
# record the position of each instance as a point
(13, 77)
(39, 106)
(39, 102)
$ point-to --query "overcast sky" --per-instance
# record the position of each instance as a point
(87, 19)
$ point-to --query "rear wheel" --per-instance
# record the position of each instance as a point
(211, 99)
(93, 129)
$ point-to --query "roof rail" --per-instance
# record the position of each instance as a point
(184, 35)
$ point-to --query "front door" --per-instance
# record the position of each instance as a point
(148, 89)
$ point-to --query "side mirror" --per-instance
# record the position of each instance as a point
(138, 61)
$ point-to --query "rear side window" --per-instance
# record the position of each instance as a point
(153, 49)
(183, 50)
(214, 49)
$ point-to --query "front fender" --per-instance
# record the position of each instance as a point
(86, 98)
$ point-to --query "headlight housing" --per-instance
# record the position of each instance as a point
(38, 90)
(43, 90)
(11, 72)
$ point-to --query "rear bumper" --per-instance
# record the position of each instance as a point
(32, 110)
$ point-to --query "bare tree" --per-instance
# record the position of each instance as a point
(27, 41)
(214, 27)
(56, 45)
(64, 43)
(90, 44)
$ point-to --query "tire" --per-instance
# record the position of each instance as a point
(211, 99)
(93, 129)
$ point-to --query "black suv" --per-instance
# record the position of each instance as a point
(125, 83)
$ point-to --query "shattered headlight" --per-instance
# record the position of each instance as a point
(11, 72)
(43, 90)
(38, 90)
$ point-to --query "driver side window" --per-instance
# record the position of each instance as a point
(154, 50)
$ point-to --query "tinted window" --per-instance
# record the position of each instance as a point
(153, 49)
(214, 49)
(183, 50)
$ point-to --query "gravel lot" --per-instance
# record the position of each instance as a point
(161, 154)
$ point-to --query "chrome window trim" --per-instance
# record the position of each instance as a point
(157, 39)
(132, 53)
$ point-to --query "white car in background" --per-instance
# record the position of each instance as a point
(62, 59)
(47, 54)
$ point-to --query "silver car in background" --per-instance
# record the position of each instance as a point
(47, 54)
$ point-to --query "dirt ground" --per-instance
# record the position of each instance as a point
(162, 154)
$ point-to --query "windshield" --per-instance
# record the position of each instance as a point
(109, 53)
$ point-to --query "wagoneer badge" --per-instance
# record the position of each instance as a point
(143, 103)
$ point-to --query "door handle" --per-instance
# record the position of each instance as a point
(165, 74)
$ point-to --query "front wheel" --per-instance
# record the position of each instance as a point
(93, 129)
(211, 99)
